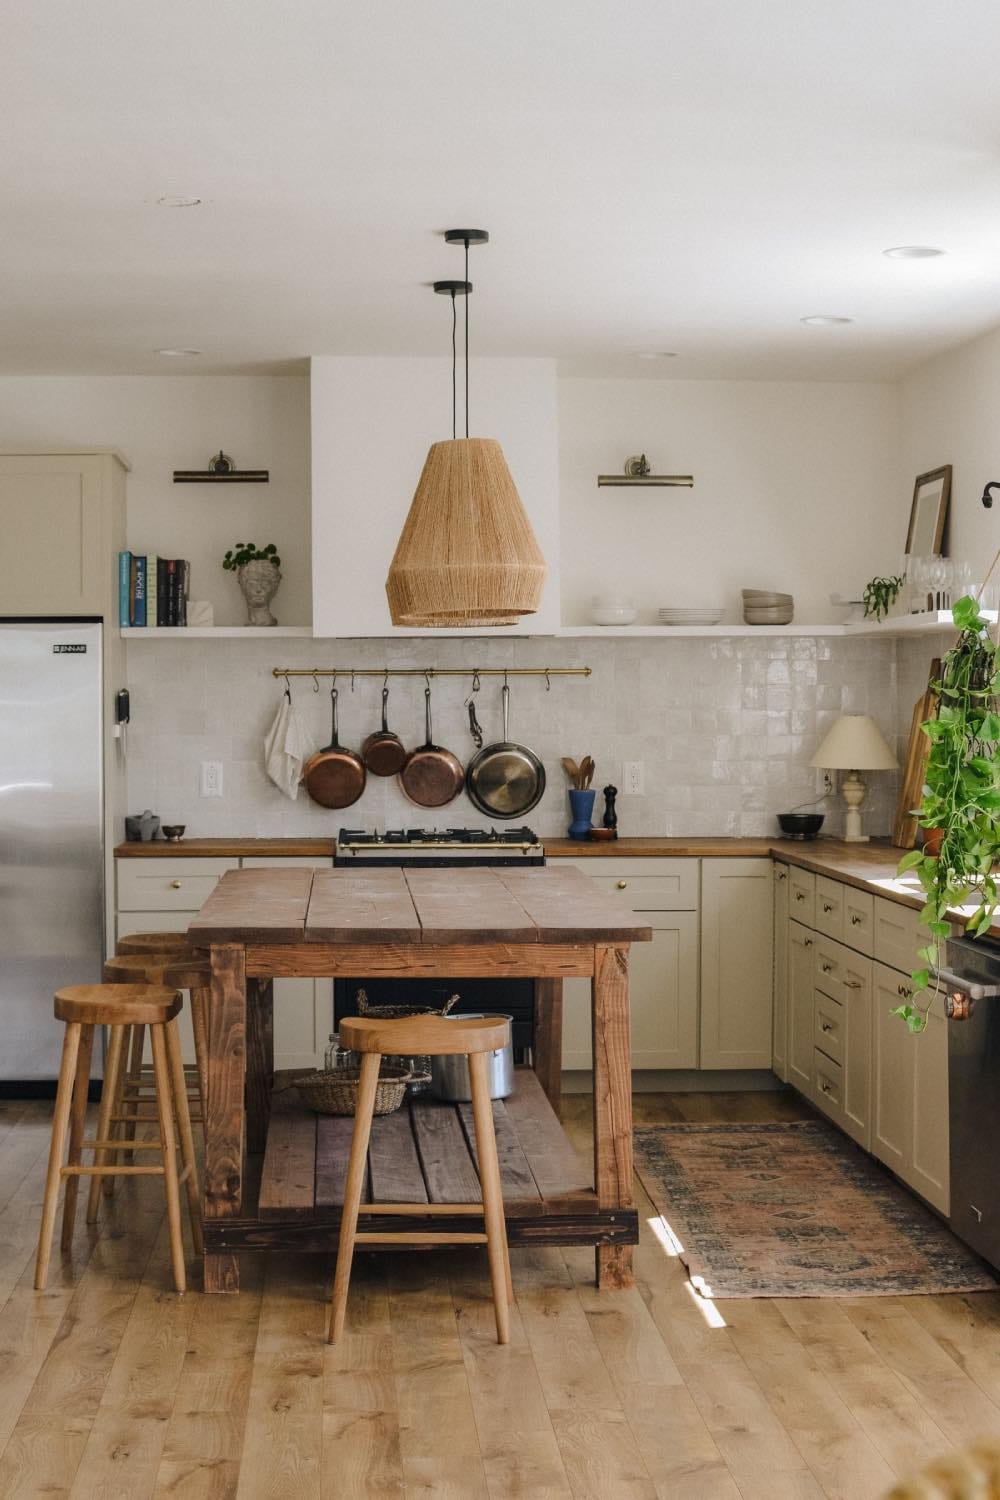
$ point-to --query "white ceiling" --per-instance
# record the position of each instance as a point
(654, 175)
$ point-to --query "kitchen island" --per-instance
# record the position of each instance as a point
(545, 924)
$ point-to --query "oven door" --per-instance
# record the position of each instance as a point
(972, 1004)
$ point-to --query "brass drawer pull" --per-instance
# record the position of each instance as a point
(800, 895)
(808, 943)
(852, 984)
(825, 1026)
(175, 885)
(623, 885)
(856, 920)
(827, 968)
(904, 991)
(827, 907)
(782, 874)
(826, 1088)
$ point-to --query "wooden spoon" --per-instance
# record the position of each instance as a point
(572, 770)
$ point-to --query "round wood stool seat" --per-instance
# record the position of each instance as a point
(436, 1036)
(429, 1036)
(154, 942)
(117, 1004)
(177, 970)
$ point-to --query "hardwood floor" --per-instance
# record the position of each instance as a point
(111, 1386)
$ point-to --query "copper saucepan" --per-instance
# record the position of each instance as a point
(335, 777)
(431, 776)
(384, 752)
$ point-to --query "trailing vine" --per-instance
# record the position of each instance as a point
(961, 798)
(880, 595)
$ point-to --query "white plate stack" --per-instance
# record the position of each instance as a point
(676, 615)
(764, 607)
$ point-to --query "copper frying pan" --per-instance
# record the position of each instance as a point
(384, 752)
(431, 776)
(335, 777)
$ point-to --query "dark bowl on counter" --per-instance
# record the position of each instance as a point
(800, 825)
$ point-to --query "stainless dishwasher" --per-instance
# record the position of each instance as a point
(971, 983)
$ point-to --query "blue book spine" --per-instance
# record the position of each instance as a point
(124, 587)
(140, 591)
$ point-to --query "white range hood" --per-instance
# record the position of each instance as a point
(373, 419)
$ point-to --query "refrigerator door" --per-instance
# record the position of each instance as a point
(51, 833)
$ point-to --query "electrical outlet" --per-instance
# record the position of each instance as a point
(824, 783)
(633, 778)
(211, 778)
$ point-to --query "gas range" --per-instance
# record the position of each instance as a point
(438, 847)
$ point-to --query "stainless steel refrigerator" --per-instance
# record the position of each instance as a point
(51, 833)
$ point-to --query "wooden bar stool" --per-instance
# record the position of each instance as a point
(434, 1036)
(82, 1007)
(154, 942)
(178, 970)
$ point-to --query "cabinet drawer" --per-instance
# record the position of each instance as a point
(286, 862)
(168, 884)
(802, 895)
(828, 1085)
(859, 920)
(647, 884)
(830, 967)
(829, 907)
(896, 935)
(829, 1027)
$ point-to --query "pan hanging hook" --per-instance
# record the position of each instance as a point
(288, 689)
(476, 686)
(315, 681)
(548, 681)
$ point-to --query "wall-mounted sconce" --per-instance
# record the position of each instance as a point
(221, 470)
(638, 472)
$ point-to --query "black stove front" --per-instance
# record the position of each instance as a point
(433, 848)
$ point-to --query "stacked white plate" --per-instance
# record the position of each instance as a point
(704, 615)
(765, 607)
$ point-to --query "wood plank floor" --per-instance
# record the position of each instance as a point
(111, 1386)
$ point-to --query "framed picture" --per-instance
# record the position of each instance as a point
(929, 512)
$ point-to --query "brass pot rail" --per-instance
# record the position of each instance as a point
(287, 672)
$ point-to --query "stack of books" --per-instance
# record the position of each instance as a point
(152, 590)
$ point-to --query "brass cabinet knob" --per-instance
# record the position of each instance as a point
(904, 991)
(623, 885)
(852, 984)
(825, 1026)
(827, 906)
(855, 920)
(175, 885)
(827, 968)
(782, 874)
(800, 895)
(808, 943)
(825, 1087)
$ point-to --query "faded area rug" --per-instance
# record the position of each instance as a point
(795, 1210)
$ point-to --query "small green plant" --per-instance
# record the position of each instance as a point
(961, 797)
(245, 552)
(880, 596)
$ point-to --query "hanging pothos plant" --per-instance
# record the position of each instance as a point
(961, 798)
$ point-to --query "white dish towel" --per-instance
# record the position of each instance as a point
(285, 749)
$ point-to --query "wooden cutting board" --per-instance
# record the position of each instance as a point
(904, 832)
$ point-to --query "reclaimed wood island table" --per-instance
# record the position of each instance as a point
(547, 924)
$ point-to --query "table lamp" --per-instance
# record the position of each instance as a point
(854, 744)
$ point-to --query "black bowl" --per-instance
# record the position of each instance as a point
(800, 825)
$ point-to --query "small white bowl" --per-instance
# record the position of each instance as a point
(612, 611)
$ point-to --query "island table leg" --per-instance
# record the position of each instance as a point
(546, 1046)
(224, 1108)
(260, 1061)
(612, 1105)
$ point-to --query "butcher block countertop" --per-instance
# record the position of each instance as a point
(238, 848)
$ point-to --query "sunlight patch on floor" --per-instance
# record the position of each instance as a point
(704, 1303)
(663, 1232)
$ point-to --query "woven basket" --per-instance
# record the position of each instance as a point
(397, 1012)
(335, 1092)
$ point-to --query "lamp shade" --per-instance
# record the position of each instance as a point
(467, 554)
(855, 743)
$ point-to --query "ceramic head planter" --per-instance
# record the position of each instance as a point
(258, 572)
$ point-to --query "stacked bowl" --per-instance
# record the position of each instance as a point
(764, 607)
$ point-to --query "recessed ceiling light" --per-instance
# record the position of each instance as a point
(176, 353)
(824, 320)
(177, 200)
(656, 354)
(913, 252)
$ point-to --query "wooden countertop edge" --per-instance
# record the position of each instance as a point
(233, 848)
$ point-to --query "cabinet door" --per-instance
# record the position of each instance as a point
(856, 1115)
(736, 963)
(303, 1008)
(779, 1033)
(892, 1121)
(800, 1007)
(663, 988)
(52, 513)
(830, 907)
(929, 1165)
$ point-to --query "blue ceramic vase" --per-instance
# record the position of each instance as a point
(582, 805)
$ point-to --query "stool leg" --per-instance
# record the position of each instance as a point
(133, 1078)
(64, 1099)
(184, 1131)
(109, 1096)
(77, 1121)
(367, 1085)
(199, 1025)
(161, 1073)
(115, 1127)
(489, 1177)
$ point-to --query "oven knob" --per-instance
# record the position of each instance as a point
(958, 1007)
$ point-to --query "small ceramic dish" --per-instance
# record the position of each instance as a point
(173, 832)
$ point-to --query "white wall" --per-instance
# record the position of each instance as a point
(796, 488)
(373, 420)
(950, 414)
(162, 423)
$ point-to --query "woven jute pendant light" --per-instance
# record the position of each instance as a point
(467, 554)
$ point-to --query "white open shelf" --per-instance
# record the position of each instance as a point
(211, 632)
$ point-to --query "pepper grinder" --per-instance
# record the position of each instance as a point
(610, 819)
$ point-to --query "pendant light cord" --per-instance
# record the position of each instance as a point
(466, 338)
(454, 360)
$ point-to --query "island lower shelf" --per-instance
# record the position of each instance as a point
(424, 1153)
